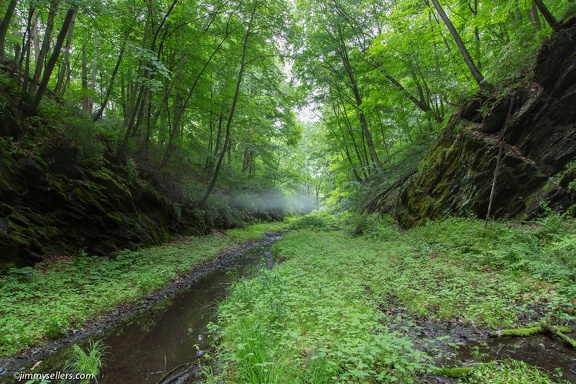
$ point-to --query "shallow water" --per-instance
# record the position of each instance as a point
(174, 332)
(542, 351)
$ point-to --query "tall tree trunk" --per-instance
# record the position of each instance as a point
(550, 19)
(485, 87)
(533, 15)
(226, 146)
(17, 51)
(26, 51)
(35, 34)
(110, 86)
(85, 99)
(216, 151)
(474, 9)
(33, 106)
(64, 75)
(44, 49)
(4, 26)
(343, 51)
(93, 71)
(135, 111)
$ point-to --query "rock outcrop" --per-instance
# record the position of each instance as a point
(533, 120)
(54, 202)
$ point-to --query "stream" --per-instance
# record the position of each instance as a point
(166, 343)
(172, 336)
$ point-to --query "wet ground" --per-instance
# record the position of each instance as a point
(164, 338)
(457, 344)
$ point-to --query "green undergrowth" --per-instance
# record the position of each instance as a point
(508, 372)
(47, 301)
(335, 309)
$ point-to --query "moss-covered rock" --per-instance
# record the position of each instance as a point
(538, 137)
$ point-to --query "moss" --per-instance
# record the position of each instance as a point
(116, 216)
(571, 342)
(103, 176)
(528, 201)
(520, 332)
(429, 166)
(20, 240)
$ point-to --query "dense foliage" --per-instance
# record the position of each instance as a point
(207, 90)
(386, 75)
(196, 89)
(205, 94)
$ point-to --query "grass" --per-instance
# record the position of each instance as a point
(86, 362)
(47, 301)
(329, 313)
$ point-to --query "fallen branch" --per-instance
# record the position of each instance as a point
(558, 331)
(571, 342)
(374, 202)
(170, 377)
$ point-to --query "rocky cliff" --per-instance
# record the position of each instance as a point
(55, 201)
(528, 127)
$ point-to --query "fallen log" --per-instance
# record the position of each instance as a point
(559, 331)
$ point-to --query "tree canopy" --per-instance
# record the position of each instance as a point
(209, 90)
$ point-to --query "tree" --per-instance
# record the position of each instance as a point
(47, 73)
(485, 87)
(550, 19)
(4, 26)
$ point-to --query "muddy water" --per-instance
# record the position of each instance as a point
(545, 352)
(173, 334)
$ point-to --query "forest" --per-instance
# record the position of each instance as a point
(398, 149)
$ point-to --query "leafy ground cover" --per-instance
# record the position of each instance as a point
(45, 302)
(329, 314)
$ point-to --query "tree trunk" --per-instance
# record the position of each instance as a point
(232, 111)
(85, 99)
(64, 75)
(98, 114)
(358, 99)
(533, 15)
(32, 108)
(485, 87)
(44, 49)
(25, 58)
(4, 26)
(550, 19)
